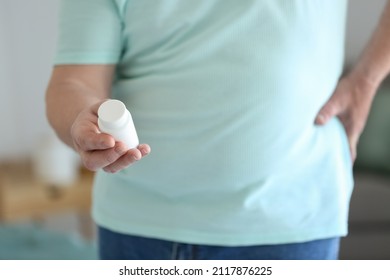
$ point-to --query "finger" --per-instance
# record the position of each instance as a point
(124, 161)
(331, 109)
(95, 107)
(94, 160)
(353, 154)
(92, 140)
(353, 140)
(335, 105)
(353, 129)
(85, 133)
(145, 149)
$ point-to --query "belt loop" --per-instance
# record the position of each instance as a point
(175, 251)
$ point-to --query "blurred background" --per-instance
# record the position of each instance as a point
(44, 192)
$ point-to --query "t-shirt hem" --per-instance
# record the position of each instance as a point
(82, 58)
(225, 239)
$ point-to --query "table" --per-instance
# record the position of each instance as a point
(25, 197)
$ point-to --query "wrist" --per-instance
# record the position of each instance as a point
(365, 80)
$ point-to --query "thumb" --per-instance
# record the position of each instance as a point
(331, 109)
(353, 141)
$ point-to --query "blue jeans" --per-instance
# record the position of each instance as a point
(117, 246)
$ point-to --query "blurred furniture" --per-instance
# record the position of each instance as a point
(374, 144)
(369, 219)
(369, 224)
(24, 197)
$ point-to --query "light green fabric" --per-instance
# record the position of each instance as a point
(225, 92)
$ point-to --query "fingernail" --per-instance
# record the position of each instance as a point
(320, 118)
(135, 158)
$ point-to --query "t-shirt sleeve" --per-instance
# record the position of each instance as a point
(89, 32)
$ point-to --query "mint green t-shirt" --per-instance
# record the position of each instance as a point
(225, 92)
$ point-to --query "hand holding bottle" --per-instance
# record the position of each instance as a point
(101, 150)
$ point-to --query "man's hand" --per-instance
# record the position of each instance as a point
(351, 103)
(352, 99)
(99, 150)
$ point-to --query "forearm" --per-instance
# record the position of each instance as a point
(63, 104)
(72, 90)
(374, 63)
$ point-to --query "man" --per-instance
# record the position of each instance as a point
(247, 162)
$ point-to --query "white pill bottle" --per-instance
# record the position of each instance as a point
(116, 120)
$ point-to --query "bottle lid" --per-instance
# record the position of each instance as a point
(112, 114)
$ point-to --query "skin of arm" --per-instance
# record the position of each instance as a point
(351, 101)
(73, 97)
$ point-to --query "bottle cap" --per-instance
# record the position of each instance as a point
(112, 114)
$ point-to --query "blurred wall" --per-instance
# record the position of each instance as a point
(27, 43)
(6, 123)
(363, 15)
